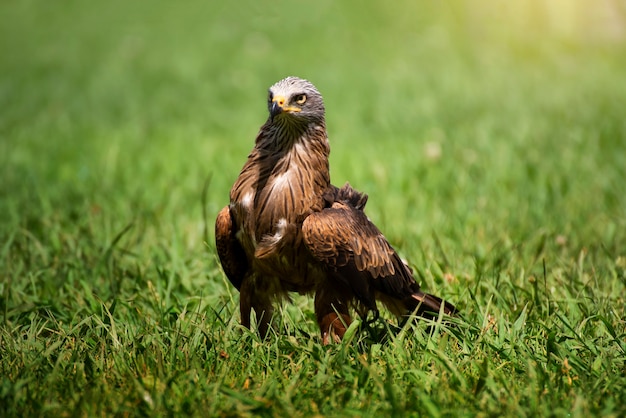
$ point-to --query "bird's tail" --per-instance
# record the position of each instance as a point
(428, 306)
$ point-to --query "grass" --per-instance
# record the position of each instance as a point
(491, 140)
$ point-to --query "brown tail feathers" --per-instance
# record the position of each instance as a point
(428, 306)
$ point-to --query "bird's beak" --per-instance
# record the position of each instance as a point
(279, 106)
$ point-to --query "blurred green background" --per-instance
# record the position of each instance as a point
(490, 136)
(460, 117)
(482, 123)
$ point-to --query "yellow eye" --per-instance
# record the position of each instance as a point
(300, 99)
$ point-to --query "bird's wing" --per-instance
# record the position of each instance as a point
(229, 250)
(348, 243)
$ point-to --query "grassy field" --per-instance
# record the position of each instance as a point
(490, 138)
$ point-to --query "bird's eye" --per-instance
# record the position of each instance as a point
(300, 99)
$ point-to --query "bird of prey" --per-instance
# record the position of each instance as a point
(288, 229)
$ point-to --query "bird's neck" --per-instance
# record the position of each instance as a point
(305, 151)
(303, 158)
(280, 137)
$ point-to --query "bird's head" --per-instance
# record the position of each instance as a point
(295, 101)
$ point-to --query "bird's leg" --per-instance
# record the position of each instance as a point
(263, 319)
(245, 303)
(332, 315)
(333, 325)
(262, 305)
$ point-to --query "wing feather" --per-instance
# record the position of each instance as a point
(229, 250)
(348, 243)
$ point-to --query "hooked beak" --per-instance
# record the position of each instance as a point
(276, 108)
(279, 105)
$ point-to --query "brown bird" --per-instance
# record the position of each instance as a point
(288, 229)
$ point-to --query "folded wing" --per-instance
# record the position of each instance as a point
(356, 253)
(229, 250)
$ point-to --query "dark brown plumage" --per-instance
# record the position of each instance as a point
(287, 229)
